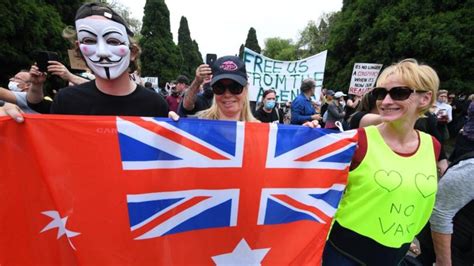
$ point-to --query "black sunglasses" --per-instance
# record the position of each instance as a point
(396, 93)
(234, 88)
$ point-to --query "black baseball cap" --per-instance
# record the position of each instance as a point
(182, 79)
(91, 9)
(229, 67)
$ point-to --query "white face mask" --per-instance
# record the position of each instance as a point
(105, 46)
(13, 86)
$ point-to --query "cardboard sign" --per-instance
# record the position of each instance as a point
(363, 77)
(75, 61)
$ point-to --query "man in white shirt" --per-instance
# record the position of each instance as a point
(18, 86)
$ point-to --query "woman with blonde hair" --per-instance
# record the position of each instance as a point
(230, 87)
(393, 176)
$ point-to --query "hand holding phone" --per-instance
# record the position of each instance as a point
(210, 59)
(42, 58)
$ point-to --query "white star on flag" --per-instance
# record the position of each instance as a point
(241, 255)
(59, 223)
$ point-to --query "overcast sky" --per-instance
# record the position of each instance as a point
(221, 26)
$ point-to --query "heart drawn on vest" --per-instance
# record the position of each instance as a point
(388, 180)
(426, 185)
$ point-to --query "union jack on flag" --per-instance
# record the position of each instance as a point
(279, 206)
(173, 212)
(309, 149)
(179, 211)
(155, 144)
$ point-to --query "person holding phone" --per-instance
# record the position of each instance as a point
(105, 42)
(43, 58)
(230, 87)
(194, 100)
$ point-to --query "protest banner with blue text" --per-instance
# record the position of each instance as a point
(284, 77)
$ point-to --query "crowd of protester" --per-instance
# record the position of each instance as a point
(390, 120)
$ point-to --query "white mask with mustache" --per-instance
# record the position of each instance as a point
(104, 45)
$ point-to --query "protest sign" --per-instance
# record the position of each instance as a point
(284, 77)
(151, 191)
(75, 61)
(363, 77)
(152, 80)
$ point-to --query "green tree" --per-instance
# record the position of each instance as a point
(27, 26)
(134, 24)
(280, 49)
(438, 33)
(241, 51)
(189, 50)
(252, 41)
(160, 55)
(66, 9)
(196, 47)
(314, 38)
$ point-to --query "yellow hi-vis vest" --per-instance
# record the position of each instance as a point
(389, 198)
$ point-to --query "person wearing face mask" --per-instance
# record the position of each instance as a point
(23, 81)
(17, 90)
(267, 113)
(104, 41)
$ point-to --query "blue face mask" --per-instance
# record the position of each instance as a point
(269, 104)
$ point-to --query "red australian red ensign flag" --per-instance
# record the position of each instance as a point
(143, 191)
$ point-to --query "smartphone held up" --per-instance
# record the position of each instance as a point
(210, 59)
(42, 58)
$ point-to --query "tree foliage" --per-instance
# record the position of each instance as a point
(314, 38)
(160, 55)
(438, 33)
(280, 49)
(28, 26)
(252, 41)
(241, 51)
(66, 9)
(134, 24)
(189, 49)
(196, 47)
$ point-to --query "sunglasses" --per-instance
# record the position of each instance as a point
(396, 93)
(233, 88)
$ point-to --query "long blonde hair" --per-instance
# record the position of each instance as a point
(213, 111)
